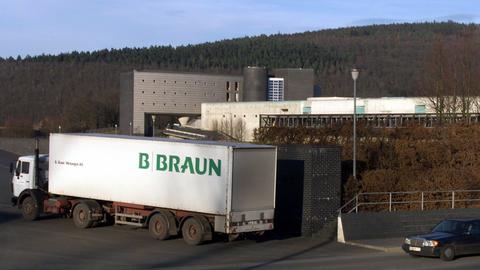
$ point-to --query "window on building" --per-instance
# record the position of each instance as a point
(154, 92)
(420, 109)
(275, 89)
(143, 103)
(360, 110)
(236, 86)
(153, 81)
(227, 86)
(236, 97)
(153, 103)
(228, 97)
(143, 92)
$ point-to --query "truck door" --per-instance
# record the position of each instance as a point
(23, 177)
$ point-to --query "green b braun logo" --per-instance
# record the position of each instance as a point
(173, 163)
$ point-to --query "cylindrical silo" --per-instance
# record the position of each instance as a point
(255, 84)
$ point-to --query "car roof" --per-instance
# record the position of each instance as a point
(463, 219)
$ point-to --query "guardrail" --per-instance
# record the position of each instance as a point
(411, 200)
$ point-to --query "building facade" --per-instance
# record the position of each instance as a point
(240, 120)
(275, 89)
(150, 99)
(147, 93)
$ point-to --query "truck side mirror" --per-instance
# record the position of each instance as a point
(11, 167)
(17, 171)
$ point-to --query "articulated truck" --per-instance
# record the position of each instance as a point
(172, 187)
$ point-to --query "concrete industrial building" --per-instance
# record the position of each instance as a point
(154, 98)
(239, 120)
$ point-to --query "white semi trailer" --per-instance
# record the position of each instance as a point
(192, 188)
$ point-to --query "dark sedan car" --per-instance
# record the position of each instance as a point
(450, 238)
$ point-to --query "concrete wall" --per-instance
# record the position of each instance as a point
(397, 224)
(228, 117)
(173, 93)
(387, 105)
(298, 82)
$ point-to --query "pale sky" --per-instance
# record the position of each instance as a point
(53, 26)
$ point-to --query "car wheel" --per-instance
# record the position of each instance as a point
(447, 253)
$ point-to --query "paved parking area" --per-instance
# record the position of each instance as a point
(54, 243)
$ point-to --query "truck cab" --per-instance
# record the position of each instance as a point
(24, 176)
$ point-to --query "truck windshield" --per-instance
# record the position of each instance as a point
(451, 226)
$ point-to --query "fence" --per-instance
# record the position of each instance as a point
(411, 200)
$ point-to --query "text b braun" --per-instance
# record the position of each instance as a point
(172, 163)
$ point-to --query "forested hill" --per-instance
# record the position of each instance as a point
(80, 89)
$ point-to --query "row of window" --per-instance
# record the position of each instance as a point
(175, 93)
(237, 86)
(244, 116)
(175, 104)
(185, 82)
(227, 84)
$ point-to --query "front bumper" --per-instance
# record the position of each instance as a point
(422, 251)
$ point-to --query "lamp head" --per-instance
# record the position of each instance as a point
(355, 74)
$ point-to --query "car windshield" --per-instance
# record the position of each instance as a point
(451, 226)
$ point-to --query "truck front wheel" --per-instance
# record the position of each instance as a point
(158, 227)
(193, 232)
(81, 216)
(29, 209)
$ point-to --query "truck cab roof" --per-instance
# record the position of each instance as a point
(42, 157)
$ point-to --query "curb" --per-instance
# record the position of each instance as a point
(378, 248)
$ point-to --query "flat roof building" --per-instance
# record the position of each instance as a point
(152, 99)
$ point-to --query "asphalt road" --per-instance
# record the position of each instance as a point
(56, 244)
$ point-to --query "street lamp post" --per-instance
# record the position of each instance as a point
(355, 77)
(153, 125)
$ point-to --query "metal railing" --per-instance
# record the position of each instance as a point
(369, 120)
(411, 200)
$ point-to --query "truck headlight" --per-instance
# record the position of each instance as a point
(430, 243)
(407, 241)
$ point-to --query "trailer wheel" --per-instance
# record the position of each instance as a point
(29, 209)
(81, 216)
(158, 227)
(193, 232)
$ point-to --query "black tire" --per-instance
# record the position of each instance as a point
(193, 232)
(81, 216)
(447, 253)
(30, 209)
(233, 237)
(159, 227)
